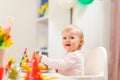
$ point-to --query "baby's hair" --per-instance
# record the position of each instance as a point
(77, 29)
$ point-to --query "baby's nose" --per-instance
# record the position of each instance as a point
(67, 39)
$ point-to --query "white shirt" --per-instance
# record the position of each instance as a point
(71, 65)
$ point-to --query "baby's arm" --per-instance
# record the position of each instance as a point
(62, 64)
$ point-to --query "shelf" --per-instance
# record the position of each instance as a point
(43, 19)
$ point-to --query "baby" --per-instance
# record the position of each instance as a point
(73, 62)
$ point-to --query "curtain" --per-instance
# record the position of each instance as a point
(114, 59)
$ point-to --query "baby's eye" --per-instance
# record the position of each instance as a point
(72, 38)
(64, 38)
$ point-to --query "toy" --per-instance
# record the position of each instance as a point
(24, 59)
(10, 61)
(11, 69)
(85, 2)
(34, 72)
(13, 73)
(43, 8)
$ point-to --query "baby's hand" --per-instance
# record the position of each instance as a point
(39, 57)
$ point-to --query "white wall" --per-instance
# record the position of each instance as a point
(24, 26)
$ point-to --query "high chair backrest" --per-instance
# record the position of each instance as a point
(96, 62)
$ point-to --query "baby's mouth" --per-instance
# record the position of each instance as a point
(68, 45)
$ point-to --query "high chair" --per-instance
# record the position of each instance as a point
(96, 65)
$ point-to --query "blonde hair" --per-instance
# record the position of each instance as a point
(78, 31)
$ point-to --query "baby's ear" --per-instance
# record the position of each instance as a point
(81, 41)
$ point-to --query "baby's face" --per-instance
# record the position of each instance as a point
(71, 40)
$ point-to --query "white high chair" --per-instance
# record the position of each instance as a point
(95, 68)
